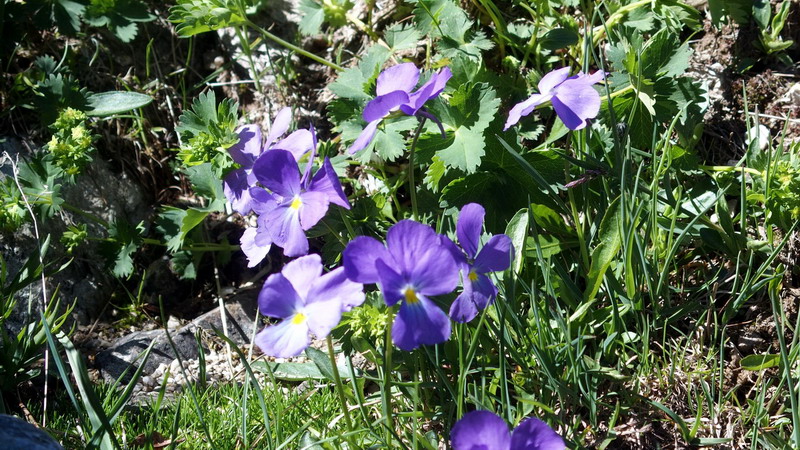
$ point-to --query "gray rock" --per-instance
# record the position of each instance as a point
(240, 311)
(16, 434)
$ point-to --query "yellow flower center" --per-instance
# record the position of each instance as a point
(472, 276)
(298, 318)
(411, 296)
(296, 203)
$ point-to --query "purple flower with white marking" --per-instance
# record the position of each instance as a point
(574, 98)
(413, 265)
(238, 182)
(495, 256)
(394, 92)
(484, 430)
(296, 204)
(307, 301)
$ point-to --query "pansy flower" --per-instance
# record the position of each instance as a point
(495, 256)
(484, 430)
(574, 98)
(394, 92)
(413, 265)
(238, 182)
(296, 204)
(307, 301)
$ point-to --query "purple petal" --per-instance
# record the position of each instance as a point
(483, 290)
(420, 323)
(279, 126)
(420, 257)
(302, 272)
(237, 191)
(327, 182)
(575, 102)
(534, 434)
(278, 298)
(359, 259)
(335, 285)
(284, 340)
(481, 430)
(553, 79)
(469, 227)
(248, 148)
(313, 208)
(277, 170)
(381, 106)
(393, 285)
(255, 253)
(261, 201)
(298, 143)
(495, 255)
(364, 138)
(524, 108)
(593, 78)
(423, 113)
(431, 89)
(402, 77)
(285, 230)
(464, 307)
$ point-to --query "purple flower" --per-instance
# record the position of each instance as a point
(307, 301)
(495, 256)
(393, 91)
(413, 265)
(574, 98)
(296, 204)
(237, 183)
(484, 430)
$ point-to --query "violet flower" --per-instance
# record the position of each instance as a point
(296, 204)
(484, 430)
(307, 301)
(393, 90)
(574, 98)
(237, 183)
(495, 256)
(413, 265)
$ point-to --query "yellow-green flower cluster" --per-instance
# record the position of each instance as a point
(71, 144)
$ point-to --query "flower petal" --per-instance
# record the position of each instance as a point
(421, 258)
(302, 272)
(495, 255)
(464, 308)
(278, 298)
(326, 181)
(402, 77)
(237, 191)
(575, 102)
(261, 201)
(481, 430)
(248, 148)
(484, 291)
(359, 259)
(365, 137)
(284, 340)
(277, 170)
(535, 434)
(335, 286)
(255, 253)
(469, 227)
(524, 108)
(298, 143)
(553, 79)
(313, 208)
(279, 126)
(431, 89)
(392, 284)
(420, 323)
(382, 105)
(284, 227)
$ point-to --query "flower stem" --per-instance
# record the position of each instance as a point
(340, 391)
(294, 48)
(387, 378)
(412, 187)
(742, 170)
(599, 31)
(249, 53)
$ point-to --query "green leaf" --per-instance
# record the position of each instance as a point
(322, 362)
(198, 16)
(169, 223)
(434, 174)
(517, 230)
(312, 15)
(760, 362)
(350, 84)
(559, 38)
(610, 236)
(115, 102)
(401, 37)
(124, 240)
(206, 182)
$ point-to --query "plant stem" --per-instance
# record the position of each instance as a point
(387, 379)
(294, 48)
(340, 391)
(412, 187)
(249, 53)
(599, 31)
(742, 170)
